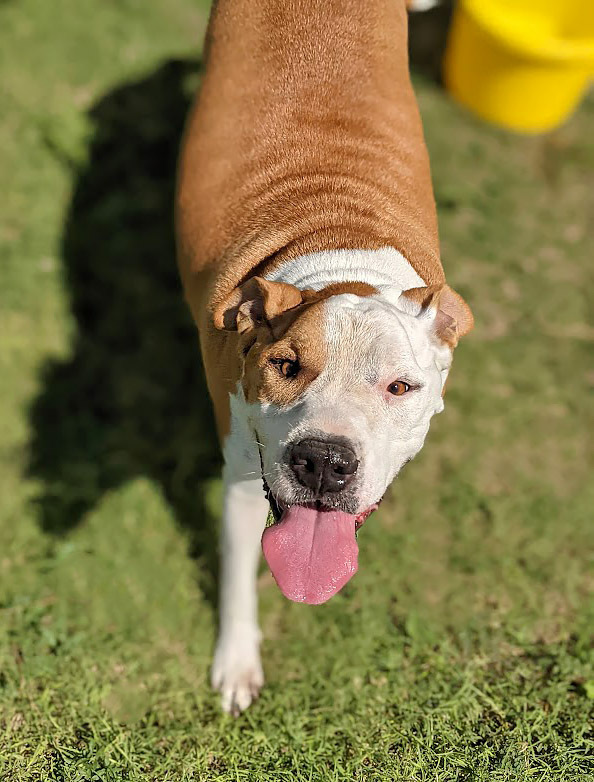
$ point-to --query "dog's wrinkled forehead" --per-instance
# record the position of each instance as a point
(369, 336)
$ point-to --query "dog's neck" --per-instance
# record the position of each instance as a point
(385, 269)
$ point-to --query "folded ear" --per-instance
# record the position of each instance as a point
(255, 302)
(451, 315)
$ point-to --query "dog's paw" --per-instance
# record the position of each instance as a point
(237, 671)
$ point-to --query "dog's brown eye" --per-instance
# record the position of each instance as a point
(286, 366)
(398, 387)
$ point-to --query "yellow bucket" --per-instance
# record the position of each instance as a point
(523, 64)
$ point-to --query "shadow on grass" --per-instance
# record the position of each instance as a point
(131, 400)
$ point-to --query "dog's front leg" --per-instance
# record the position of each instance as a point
(237, 670)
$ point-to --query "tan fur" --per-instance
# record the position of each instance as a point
(306, 137)
(337, 288)
(282, 322)
(453, 318)
(255, 300)
(300, 337)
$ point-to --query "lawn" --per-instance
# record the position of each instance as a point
(464, 648)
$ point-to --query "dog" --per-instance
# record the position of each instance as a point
(308, 251)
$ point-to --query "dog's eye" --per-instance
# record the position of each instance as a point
(398, 387)
(286, 366)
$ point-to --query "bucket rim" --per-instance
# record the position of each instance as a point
(550, 48)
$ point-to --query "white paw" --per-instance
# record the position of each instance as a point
(237, 670)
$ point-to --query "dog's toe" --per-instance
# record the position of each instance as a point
(238, 695)
(237, 674)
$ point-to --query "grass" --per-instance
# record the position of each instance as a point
(464, 649)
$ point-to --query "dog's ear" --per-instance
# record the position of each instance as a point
(255, 302)
(450, 314)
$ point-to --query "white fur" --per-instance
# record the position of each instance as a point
(237, 670)
(386, 269)
(371, 342)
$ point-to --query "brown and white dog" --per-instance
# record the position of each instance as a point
(308, 250)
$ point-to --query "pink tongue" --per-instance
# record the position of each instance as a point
(311, 553)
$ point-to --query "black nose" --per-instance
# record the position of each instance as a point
(323, 465)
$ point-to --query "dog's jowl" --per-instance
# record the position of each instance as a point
(308, 249)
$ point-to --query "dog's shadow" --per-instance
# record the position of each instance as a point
(131, 400)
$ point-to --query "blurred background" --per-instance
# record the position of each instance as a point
(464, 649)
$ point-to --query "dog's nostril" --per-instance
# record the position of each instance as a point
(323, 465)
(344, 469)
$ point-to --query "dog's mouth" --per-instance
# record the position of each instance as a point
(311, 549)
(278, 507)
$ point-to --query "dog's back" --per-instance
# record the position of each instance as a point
(306, 136)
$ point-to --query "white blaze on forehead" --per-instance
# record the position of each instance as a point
(368, 336)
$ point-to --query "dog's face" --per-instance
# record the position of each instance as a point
(339, 388)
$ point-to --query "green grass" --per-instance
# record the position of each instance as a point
(464, 649)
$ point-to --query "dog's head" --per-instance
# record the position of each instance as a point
(339, 387)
